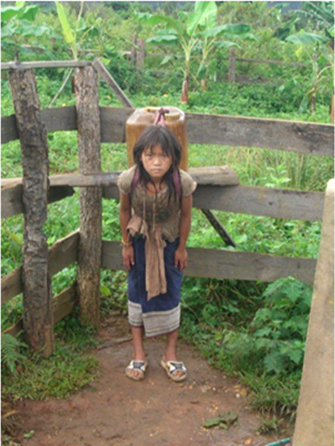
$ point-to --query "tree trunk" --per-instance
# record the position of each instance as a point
(37, 299)
(89, 140)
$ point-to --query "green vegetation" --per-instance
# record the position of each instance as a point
(255, 331)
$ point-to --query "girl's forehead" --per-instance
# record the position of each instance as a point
(156, 150)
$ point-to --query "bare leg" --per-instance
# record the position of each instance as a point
(170, 352)
(139, 353)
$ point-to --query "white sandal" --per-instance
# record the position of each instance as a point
(172, 366)
(141, 366)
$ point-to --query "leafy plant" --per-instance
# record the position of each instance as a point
(17, 28)
(10, 353)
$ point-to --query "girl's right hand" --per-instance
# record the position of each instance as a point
(128, 257)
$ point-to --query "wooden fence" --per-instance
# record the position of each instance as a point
(215, 191)
(138, 54)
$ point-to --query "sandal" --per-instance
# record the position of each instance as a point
(141, 366)
(173, 366)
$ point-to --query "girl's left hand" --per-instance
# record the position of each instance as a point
(180, 258)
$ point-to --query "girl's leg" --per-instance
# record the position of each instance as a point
(170, 352)
(139, 353)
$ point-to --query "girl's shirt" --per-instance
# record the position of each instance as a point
(157, 220)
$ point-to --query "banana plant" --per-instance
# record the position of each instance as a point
(211, 42)
(194, 30)
(18, 31)
(182, 32)
(312, 44)
(69, 34)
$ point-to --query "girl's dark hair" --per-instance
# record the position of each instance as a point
(157, 135)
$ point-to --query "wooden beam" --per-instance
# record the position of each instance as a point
(60, 255)
(11, 196)
(37, 314)
(217, 175)
(44, 64)
(293, 136)
(222, 264)
(89, 142)
(108, 78)
(219, 228)
(254, 200)
(62, 305)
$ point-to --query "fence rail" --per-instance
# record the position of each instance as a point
(254, 200)
(292, 136)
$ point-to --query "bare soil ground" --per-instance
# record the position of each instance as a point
(116, 411)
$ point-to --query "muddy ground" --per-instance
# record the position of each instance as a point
(116, 411)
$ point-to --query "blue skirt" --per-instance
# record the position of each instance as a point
(161, 314)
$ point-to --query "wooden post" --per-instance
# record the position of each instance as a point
(89, 140)
(315, 415)
(232, 64)
(37, 299)
(140, 54)
(133, 53)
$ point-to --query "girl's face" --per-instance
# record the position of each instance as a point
(156, 162)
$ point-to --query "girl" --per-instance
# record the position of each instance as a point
(155, 218)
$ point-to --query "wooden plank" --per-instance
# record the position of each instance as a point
(11, 197)
(60, 255)
(44, 64)
(9, 130)
(254, 200)
(113, 125)
(293, 136)
(62, 305)
(11, 200)
(223, 264)
(14, 329)
(108, 78)
(217, 175)
(11, 285)
(214, 176)
(63, 252)
(63, 118)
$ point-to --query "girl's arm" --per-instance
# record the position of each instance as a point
(184, 230)
(125, 215)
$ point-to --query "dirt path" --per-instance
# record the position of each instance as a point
(115, 411)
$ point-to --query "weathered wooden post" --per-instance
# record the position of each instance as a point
(232, 65)
(89, 140)
(140, 54)
(133, 53)
(37, 313)
(315, 416)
